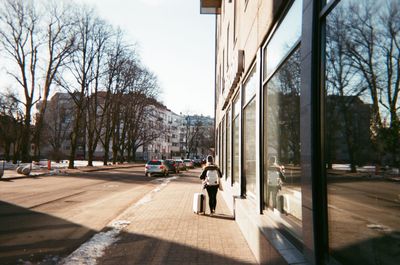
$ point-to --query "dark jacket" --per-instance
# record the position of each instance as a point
(210, 167)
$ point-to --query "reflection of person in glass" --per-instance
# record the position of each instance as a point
(275, 179)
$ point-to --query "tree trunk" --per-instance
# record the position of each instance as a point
(73, 150)
(7, 149)
(26, 135)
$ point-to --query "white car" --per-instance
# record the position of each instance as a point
(156, 167)
(188, 163)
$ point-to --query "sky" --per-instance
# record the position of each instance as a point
(175, 42)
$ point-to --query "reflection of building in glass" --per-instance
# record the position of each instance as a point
(314, 87)
(348, 130)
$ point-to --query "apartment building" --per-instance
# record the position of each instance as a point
(166, 132)
(306, 132)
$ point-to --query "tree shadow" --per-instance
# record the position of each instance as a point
(384, 249)
(11, 179)
(31, 235)
(27, 235)
(142, 249)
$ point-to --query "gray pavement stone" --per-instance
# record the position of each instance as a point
(166, 231)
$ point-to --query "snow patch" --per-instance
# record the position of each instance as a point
(149, 196)
(87, 253)
(379, 227)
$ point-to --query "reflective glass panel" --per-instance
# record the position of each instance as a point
(250, 87)
(362, 131)
(282, 171)
(284, 38)
(249, 148)
(235, 149)
(228, 144)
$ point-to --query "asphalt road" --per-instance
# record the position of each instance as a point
(53, 215)
(364, 219)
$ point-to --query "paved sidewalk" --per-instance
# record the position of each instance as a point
(164, 230)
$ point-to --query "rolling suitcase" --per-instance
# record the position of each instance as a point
(199, 203)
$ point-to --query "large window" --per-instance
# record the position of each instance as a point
(362, 131)
(249, 135)
(281, 89)
(235, 141)
(228, 144)
(222, 165)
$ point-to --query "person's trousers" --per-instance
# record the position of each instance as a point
(272, 193)
(212, 195)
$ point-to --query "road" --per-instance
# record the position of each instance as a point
(53, 215)
(364, 218)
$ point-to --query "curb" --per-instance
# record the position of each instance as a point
(69, 171)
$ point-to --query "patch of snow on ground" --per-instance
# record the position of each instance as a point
(93, 249)
(149, 197)
(87, 253)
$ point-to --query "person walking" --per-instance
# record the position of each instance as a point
(211, 176)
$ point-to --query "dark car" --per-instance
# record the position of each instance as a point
(172, 166)
(197, 162)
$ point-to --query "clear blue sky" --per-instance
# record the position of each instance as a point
(175, 42)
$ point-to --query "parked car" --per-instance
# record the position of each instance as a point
(172, 166)
(188, 163)
(181, 164)
(156, 167)
(197, 162)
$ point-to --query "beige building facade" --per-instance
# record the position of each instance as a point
(302, 89)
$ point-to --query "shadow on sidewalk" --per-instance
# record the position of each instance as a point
(142, 249)
(221, 216)
(27, 235)
(38, 238)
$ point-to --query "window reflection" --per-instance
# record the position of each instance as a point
(362, 131)
(249, 134)
(282, 143)
(285, 37)
(228, 144)
(249, 148)
(235, 139)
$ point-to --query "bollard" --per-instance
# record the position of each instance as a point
(49, 164)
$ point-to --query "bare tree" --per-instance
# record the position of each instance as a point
(146, 126)
(59, 38)
(82, 68)
(19, 27)
(389, 48)
(197, 135)
(57, 125)
(116, 55)
(343, 88)
(374, 49)
(95, 97)
(11, 122)
(142, 97)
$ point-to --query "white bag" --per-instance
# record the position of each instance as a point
(212, 177)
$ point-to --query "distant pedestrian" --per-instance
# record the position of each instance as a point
(211, 176)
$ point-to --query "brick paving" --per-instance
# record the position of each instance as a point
(165, 230)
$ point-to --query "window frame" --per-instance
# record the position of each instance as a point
(297, 240)
(251, 73)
